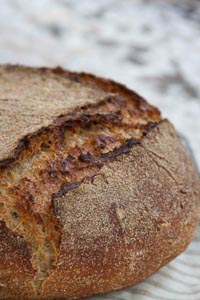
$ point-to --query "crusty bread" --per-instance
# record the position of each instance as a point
(96, 190)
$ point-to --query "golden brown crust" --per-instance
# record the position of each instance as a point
(105, 230)
(113, 228)
(16, 271)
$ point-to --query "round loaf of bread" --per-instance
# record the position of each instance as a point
(96, 190)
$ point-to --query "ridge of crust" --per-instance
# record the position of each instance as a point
(59, 121)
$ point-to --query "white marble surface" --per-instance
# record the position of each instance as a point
(152, 46)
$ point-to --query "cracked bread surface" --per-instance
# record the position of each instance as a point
(92, 183)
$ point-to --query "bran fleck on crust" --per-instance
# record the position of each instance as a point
(102, 232)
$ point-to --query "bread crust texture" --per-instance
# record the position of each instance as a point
(130, 205)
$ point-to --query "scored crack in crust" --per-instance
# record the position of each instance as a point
(57, 159)
(50, 161)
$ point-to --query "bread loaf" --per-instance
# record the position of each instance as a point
(96, 190)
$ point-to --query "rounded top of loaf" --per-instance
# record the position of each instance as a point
(31, 98)
(35, 98)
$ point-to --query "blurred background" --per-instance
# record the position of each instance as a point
(151, 46)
